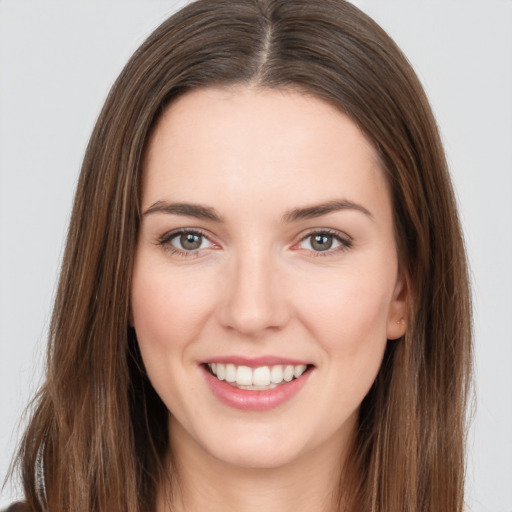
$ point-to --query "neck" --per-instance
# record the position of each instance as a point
(310, 483)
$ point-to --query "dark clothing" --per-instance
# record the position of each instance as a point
(17, 507)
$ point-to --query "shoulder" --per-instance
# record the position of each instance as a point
(17, 507)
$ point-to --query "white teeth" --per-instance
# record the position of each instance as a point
(276, 374)
(299, 370)
(230, 373)
(244, 376)
(221, 371)
(258, 388)
(288, 373)
(262, 377)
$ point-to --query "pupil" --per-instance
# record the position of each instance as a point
(189, 241)
(321, 242)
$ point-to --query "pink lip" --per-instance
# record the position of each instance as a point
(254, 362)
(252, 400)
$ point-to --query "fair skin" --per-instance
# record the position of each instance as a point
(289, 260)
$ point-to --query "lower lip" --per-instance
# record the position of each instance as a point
(254, 400)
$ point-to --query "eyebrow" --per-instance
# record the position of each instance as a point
(187, 209)
(311, 212)
(203, 212)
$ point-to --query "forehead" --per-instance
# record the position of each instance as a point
(246, 144)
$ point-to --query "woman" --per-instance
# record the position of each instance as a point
(264, 300)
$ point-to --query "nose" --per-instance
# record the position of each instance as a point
(254, 299)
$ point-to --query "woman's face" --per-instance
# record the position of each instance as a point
(266, 253)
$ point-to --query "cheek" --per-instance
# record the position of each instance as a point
(168, 309)
(349, 324)
(349, 312)
(166, 306)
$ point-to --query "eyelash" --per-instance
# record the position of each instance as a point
(166, 239)
(344, 241)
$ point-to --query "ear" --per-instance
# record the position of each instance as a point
(397, 318)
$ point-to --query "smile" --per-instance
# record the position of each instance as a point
(258, 387)
(259, 378)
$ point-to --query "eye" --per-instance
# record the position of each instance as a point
(325, 241)
(188, 241)
(185, 242)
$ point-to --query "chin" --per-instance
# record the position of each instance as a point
(262, 455)
(252, 447)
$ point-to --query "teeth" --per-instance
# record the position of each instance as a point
(299, 370)
(288, 373)
(262, 377)
(244, 376)
(230, 373)
(221, 372)
(276, 374)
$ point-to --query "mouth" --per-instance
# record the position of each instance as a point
(260, 378)
(256, 388)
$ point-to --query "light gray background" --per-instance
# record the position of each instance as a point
(57, 62)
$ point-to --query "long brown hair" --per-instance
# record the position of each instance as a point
(98, 428)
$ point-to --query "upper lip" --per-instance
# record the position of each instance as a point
(255, 362)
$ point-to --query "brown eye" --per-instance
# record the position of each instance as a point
(186, 242)
(190, 241)
(326, 242)
(321, 242)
